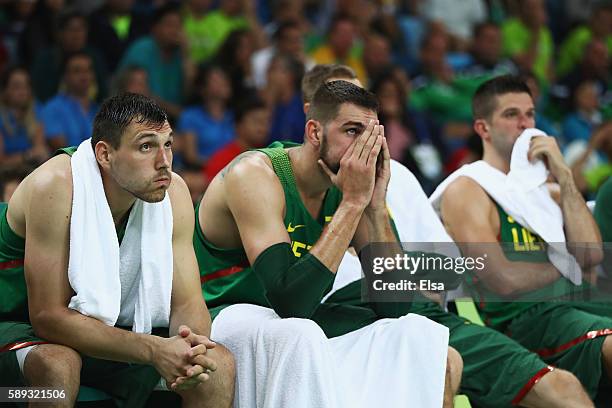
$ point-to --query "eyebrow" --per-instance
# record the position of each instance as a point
(353, 123)
(150, 134)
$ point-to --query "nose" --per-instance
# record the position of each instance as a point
(164, 159)
(526, 122)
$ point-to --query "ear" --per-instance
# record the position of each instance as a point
(102, 151)
(481, 127)
(314, 132)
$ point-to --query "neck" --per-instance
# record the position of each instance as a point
(119, 200)
(82, 99)
(215, 107)
(494, 160)
(311, 181)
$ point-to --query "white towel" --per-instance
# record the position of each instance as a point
(96, 262)
(523, 194)
(418, 225)
(291, 363)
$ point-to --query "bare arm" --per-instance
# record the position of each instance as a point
(581, 232)
(467, 212)
(188, 306)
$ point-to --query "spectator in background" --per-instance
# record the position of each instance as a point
(48, 67)
(132, 79)
(589, 138)
(341, 47)
(10, 177)
(234, 57)
(528, 41)
(252, 127)
(288, 39)
(113, 26)
(40, 30)
(459, 18)
(284, 97)
(594, 66)
(593, 165)
(486, 53)
(214, 28)
(438, 92)
(208, 126)
(18, 13)
(413, 139)
(586, 115)
(169, 70)
(68, 117)
(196, 30)
(376, 55)
(574, 45)
(21, 133)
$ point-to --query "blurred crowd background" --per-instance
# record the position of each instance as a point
(228, 72)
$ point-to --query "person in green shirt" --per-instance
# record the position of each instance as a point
(528, 41)
(272, 229)
(520, 292)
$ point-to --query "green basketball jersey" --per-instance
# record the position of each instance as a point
(226, 275)
(519, 245)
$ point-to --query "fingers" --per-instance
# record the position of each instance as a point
(184, 331)
(373, 156)
(326, 169)
(371, 140)
(205, 362)
(362, 139)
(197, 350)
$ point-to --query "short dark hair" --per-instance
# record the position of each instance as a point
(485, 98)
(244, 107)
(319, 74)
(480, 27)
(162, 11)
(76, 54)
(330, 96)
(117, 112)
(67, 15)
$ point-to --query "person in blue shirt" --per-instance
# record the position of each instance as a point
(160, 54)
(21, 133)
(68, 117)
(284, 96)
(209, 125)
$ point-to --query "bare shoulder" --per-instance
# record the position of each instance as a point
(250, 174)
(45, 194)
(465, 193)
(468, 212)
(245, 164)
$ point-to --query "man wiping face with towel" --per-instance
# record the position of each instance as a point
(539, 242)
(97, 244)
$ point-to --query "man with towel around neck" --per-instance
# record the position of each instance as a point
(272, 229)
(522, 288)
(95, 313)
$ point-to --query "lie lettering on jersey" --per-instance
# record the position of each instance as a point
(523, 239)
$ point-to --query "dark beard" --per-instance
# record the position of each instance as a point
(334, 167)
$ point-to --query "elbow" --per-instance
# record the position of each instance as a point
(44, 323)
(503, 286)
(589, 256)
(285, 308)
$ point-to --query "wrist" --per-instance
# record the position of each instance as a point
(151, 347)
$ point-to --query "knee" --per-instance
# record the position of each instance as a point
(226, 366)
(55, 363)
(454, 367)
(562, 381)
(302, 331)
(606, 350)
